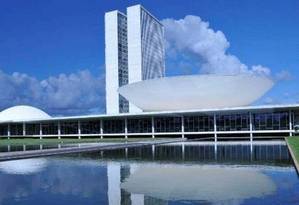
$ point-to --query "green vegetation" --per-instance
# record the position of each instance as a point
(34, 141)
(294, 145)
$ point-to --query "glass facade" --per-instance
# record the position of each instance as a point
(168, 124)
(50, 128)
(113, 126)
(296, 118)
(3, 129)
(198, 123)
(234, 122)
(91, 127)
(143, 125)
(265, 121)
(152, 47)
(16, 129)
(69, 128)
(32, 129)
(123, 104)
(123, 77)
(271, 121)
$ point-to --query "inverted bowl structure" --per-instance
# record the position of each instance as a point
(196, 92)
(210, 184)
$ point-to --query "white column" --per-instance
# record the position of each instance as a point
(290, 123)
(24, 129)
(153, 152)
(183, 151)
(215, 128)
(79, 129)
(24, 147)
(126, 128)
(8, 131)
(183, 127)
(251, 151)
(153, 127)
(215, 151)
(250, 127)
(114, 192)
(101, 128)
(59, 130)
(126, 152)
(136, 199)
(40, 131)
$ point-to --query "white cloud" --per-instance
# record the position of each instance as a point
(283, 75)
(269, 100)
(76, 93)
(261, 70)
(193, 36)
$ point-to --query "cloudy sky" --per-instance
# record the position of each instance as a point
(52, 52)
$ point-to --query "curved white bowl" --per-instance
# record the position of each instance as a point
(196, 92)
(212, 184)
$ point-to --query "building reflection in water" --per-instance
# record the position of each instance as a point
(122, 177)
(24, 147)
(186, 172)
(23, 166)
(276, 153)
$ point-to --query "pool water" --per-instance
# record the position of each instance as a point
(181, 173)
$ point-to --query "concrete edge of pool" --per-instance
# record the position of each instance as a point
(69, 150)
(296, 163)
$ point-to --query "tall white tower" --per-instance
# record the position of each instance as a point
(134, 50)
(116, 61)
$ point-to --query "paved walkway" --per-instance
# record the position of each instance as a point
(68, 150)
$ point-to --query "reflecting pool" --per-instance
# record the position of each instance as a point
(181, 173)
(30, 147)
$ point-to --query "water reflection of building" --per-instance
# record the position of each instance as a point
(126, 164)
(23, 166)
(194, 153)
(209, 184)
(117, 174)
(98, 178)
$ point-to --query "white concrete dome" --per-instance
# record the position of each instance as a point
(22, 113)
(196, 92)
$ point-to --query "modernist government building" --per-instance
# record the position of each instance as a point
(142, 102)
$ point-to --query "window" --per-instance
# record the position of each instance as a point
(143, 125)
(113, 126)
(68, 128)
(168, 124)
(91, 127)
(198, 123)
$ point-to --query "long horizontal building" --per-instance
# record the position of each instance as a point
(250, 122)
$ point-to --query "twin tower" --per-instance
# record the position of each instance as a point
(134, 51)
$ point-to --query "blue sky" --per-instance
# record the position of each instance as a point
(50, 49)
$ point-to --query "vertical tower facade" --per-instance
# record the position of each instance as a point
(146, 53)
(134, 50)
(116, 60)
